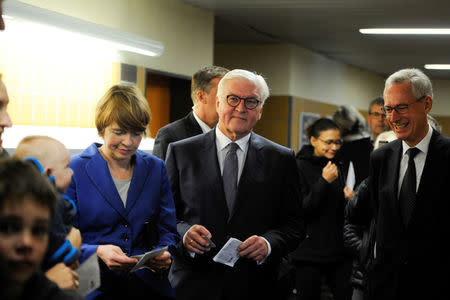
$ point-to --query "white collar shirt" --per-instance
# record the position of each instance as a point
(205, 128)
(419, 159)
(222, 142)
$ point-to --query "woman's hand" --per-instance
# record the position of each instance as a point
(160, 262)
(115, 259)
(330, 172)
(348, 193)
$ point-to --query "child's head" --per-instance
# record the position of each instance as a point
(52, 155)
(27, 201)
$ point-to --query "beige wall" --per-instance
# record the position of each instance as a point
(186, 32)
(294, 71)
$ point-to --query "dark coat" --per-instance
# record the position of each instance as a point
(268, 205)
(358, 152)
(175, 131)
(411, 262)
(323, 205)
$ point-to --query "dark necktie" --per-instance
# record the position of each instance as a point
(230, 175)
(407, 197)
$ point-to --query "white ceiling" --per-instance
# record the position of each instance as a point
(330, 27)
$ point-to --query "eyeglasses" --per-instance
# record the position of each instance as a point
(377, 114)
(249, 103)
(401, 108)
(329, 142)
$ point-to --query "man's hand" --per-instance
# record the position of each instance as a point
(348, 193)
(193, 240)
(63, 276)
(160, 262)
(330, 172)
(115, 259)
(254, 248)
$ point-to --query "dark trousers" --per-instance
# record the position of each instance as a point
(129, 287)
(309, 278)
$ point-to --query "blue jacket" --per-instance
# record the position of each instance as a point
(103, 219)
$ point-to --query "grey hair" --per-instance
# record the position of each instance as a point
(350, 120)
(434, 123)
(258, 80)
(420, 83)
(201, 80)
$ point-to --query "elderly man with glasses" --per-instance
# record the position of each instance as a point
(233, 183)
(408, 187)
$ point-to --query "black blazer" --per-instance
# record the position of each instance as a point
(412, 262)
(268, 205)
(175, 131)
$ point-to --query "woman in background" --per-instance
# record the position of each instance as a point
(119, 191)
(321, 255)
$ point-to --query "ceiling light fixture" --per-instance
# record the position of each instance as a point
(429, 31)
(437, 66)
(121, 40)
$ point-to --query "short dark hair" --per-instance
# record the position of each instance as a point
(201, 80)
(19, 179)
(377, 101)
(320, 125)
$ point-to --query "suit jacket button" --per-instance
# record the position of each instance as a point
(125, 238)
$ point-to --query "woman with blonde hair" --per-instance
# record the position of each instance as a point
(120, 192)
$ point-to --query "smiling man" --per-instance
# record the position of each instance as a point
(408, 182)
(231, 182)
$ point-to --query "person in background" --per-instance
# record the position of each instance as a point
(52, 158)
(408, 181)
(357, 146)
(5, 120)
(121, 193)
(203, 116)
(321, 256)
(376, 118)
(360, 239)
(27, 200)
(231, 182)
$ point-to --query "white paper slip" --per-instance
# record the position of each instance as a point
(351, 176)
(89, 275)
(143, 258)
(228, 255)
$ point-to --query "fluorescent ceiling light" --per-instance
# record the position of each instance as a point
(121, 40)
(437, 66)
(405, 30)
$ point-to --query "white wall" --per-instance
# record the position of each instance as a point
(441, 98)
(186, 32)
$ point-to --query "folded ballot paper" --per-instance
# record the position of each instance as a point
(143, 258)
(229, 253)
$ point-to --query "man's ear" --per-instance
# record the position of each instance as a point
(428, 104)
(200, 96)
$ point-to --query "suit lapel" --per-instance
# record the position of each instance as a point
(393, 163)
(98, 172)
(432, 163)
(138, 180)
(193, 128)
(208, 157)
(252, 171)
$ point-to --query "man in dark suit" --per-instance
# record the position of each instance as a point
(408, 186)
(260, 206)
(203, 116)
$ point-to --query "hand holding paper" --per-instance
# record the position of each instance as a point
(154, 260)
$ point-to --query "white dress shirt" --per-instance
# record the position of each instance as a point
(419, 159)
(205, 128)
